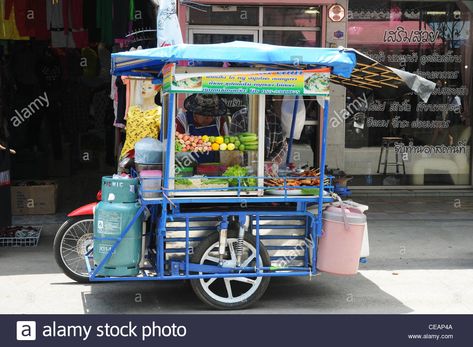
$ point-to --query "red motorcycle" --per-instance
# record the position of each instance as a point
(74, 239)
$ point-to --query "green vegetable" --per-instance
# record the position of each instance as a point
(310, 191)
(247, 134)
(248, 138)
(215, 181)
(184, 182)
(238, 171)
(178, 147)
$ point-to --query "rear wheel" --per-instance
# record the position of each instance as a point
(230, 293)
(74, 239)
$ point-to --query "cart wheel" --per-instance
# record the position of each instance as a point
(230, 293)
(74, 239)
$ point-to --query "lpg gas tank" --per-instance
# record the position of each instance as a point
(110, 219)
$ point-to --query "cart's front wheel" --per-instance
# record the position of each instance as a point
(230, 293)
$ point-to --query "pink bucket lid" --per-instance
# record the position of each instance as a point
(151, 173)
(338, 209)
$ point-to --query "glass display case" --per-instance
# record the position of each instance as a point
(220, 154)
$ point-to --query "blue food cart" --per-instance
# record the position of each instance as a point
(230, 239)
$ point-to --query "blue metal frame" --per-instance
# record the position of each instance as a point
(166, 208)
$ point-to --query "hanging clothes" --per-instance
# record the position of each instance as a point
(144, 16)
(133, 92)
(91, 67)
(114, 97)
(73, 64)
(18, 8)
(74, 21)
(121, 18)
(105, 62)
(30, 17)
(100, 102)
(121, 102)
(104, 14)
(37, 24)
(90, 20)
(8, 27)
(49, 72)
(55, 23)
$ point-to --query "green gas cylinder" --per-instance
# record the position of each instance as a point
(120, 189)
(110, 219)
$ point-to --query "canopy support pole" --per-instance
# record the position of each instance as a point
(293, 126)
(320, 206)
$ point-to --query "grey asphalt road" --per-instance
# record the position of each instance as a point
(421, 262)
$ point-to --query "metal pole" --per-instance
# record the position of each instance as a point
(167, 163)
(293, 126)
(321, 185)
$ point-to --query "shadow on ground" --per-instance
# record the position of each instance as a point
(322, 294)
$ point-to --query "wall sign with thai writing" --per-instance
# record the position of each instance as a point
(381, 14)
(401, 35)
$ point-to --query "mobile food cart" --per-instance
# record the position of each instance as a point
(230, 230)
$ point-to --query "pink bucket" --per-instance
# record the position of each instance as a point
(151, 183)
(339, 246)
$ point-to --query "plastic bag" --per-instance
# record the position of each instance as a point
(287, 111)
(169, 31)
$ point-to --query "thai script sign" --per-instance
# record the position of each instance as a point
(401, 35)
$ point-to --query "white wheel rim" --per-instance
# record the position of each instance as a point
(252, 283)
(75, 243)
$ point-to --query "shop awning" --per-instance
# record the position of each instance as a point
(349, 67)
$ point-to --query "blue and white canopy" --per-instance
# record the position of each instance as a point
(348, 66)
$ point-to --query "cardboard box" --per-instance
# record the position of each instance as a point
(33, 197)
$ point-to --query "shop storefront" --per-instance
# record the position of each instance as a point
(428, 144)
(389, 143)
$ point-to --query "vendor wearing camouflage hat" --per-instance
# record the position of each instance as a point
(205, 116)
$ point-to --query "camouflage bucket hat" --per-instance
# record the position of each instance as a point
(205, 105)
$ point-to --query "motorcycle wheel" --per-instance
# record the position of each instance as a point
(74, 239)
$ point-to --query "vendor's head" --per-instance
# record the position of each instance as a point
(205, 107)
